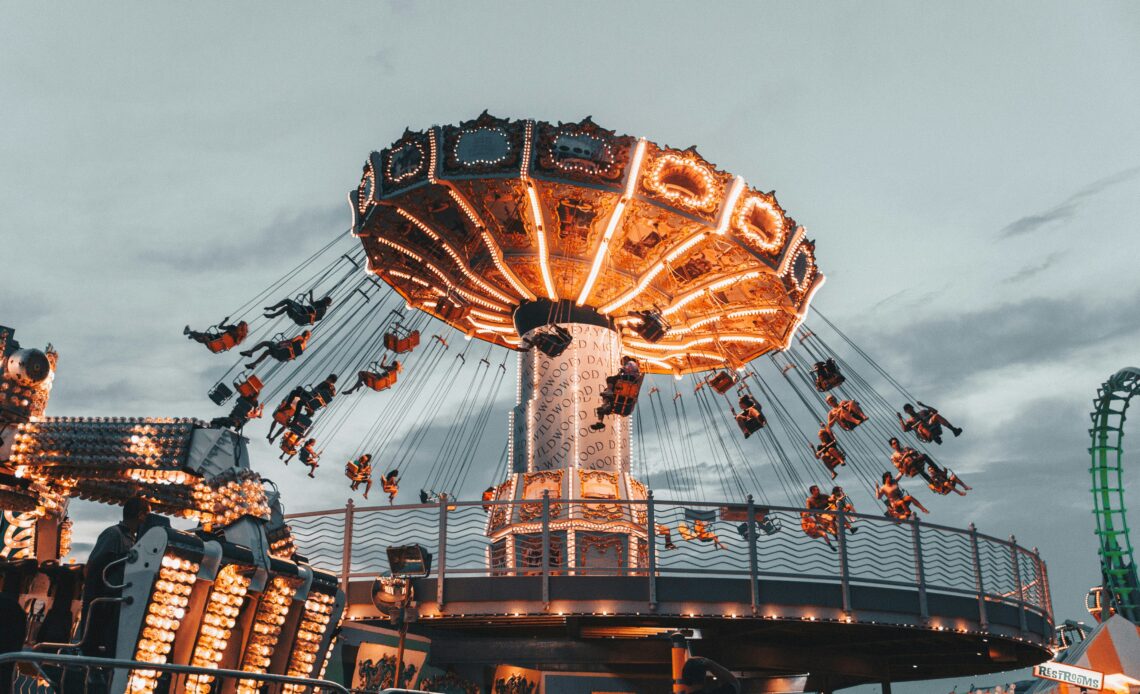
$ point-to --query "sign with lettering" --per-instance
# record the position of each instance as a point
(1069, 674)
(552, 423)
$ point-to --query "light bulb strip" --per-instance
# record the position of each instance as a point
(653, 271)
(459, 261)
(227, 596)
(709, 288)
(540, 233)
(492, 247)
(730, 204)
(615, 217)
(266, 630)
(165, 611)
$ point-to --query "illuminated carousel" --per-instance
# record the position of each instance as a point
(578, 246)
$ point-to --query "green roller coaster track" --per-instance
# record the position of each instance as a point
(1117, 567)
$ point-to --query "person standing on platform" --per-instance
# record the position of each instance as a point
(113, 545)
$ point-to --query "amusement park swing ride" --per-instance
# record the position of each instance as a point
(656, 308)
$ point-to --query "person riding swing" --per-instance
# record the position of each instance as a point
(926, 423)
(282, 350)
(391, 485)
(942, 481)
(907, 460)
(620, 394)
(827, 375)
(898, 501)
(244, 410)
(300, 311)
(838, 501)
(847, 414)
(310, 456)
(819, 525)
(828, 451)
(378, 376)
(284, 413)
(750, 419)
(220, 337)
(359, 471)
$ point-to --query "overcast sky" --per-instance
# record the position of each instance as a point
(970, 172)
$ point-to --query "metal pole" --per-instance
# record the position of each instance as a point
(399, 676)
(679, 654)
(546, 549)
(651, 534)
(982, 618)
(844, 573)
(346, 552)
(1046, 596)
(753, 564)
(441, 571)
(1017, 580)
(919, 570)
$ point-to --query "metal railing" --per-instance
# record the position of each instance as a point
(58, 665)
(862, 550)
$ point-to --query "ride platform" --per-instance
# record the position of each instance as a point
(894, 601)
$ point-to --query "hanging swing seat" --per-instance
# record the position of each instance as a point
(827, 375)
(750, 421)
(401, 340)
(224, 340)
(722, 381)
(380, 380)
(652, 326)
(738, 513)
(552, 341)
(300, 423)
(702, 528)
(817, 525)
(220, 394)
(290, 442)
(248, 386)
(626, 390)
(451, 309)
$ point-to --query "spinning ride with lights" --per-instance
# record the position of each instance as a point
(578, 249)
(523, 232)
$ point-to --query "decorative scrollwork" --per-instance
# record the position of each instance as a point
(534, 484)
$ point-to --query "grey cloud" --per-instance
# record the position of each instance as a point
(943, 352)
(285, 239)
(1067, 209)
(1033, 222)
(1032, 270)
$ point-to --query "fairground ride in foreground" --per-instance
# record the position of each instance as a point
(616, 269)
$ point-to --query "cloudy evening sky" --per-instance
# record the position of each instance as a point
(970, 172)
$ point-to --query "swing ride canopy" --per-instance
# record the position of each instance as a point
(493, 214)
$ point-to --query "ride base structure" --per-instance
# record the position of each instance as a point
(581, 249)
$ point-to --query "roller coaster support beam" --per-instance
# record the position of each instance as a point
(1122, 588)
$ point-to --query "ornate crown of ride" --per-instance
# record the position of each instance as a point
(469, 222)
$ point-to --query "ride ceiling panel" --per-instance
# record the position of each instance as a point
(493, 212)
(502, 207)
(576, 219)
